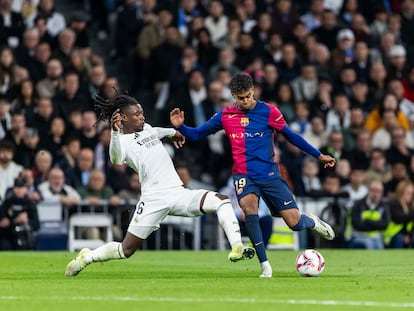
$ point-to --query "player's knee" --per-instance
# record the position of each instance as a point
(214, 201)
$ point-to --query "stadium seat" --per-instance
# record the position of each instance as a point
(91, 220)
(53, 232)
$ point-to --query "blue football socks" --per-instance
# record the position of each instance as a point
(304, 222)
(255, 235)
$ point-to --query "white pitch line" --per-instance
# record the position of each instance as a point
(229, 300)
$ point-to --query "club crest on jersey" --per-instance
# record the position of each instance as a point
(244, 121)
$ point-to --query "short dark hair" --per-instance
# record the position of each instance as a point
(7, 145)
(240, 83)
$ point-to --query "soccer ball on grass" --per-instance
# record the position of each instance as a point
(310, 263)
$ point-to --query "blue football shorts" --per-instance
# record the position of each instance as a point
(275, 192)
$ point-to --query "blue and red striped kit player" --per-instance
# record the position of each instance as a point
(251, 125)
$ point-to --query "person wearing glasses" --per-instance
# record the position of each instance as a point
(251, 125)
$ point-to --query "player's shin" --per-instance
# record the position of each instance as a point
(109, 251)
(255, 235)
(229, 223)
(220, 204)
(305, 222)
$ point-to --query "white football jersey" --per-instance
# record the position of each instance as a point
(144, 152)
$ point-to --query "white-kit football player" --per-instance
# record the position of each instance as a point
(162, 191)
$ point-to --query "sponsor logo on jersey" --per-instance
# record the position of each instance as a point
(246, 135)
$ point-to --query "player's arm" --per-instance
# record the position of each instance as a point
(116, 153)
(302, 144)
(194, 133)
(177, 138)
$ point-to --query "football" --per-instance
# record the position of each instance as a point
(310, 263)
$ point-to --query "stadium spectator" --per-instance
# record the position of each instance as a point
(71, 150)
(360, 153)
(56, 190)
(71, 97)
(328, 30)
(17, 128)
(55, 20)
(390, 102)
(42, 164)
(316, 135)
(18, 218)
(382, 136)
(356, 188)
(370, 217)
(9, 170)
(7, 71)
(378, 168)
(306, 85)
(25, 51)
(399, 233)
(25, 100)
(288, 66)
(310, 180)
(65, 45)
(53, 82)
(12, 25)
(207, 52)
(344, 52)
(360, 98)
(399, 172)
(312, 18)
(5, 118)
(361, 61)
(356, 124)
(26, 151)
(285, 101)
(78, 175)
(397, 62)
(216, 21)
(32, 191)
(88, 132)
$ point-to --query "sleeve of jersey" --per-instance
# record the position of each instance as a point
(116, 153)
(164, 132)
(196, 133)
(299, 142)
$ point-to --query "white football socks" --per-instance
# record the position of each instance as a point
(109, 251)
(229, 223)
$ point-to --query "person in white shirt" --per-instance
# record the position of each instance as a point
(9, 170)
(162, 191)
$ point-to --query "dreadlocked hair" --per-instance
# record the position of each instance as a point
(106, 107)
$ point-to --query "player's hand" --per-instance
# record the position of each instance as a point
(327, 160)
(178, 140)
(116, 120)
(177, 117)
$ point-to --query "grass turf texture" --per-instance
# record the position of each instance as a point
(205, 280)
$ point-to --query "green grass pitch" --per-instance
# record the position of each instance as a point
(205, 280)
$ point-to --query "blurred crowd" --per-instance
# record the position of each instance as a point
(341, 72)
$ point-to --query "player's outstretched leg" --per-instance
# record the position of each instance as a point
(322, 228)
(109, 251)
(215, 202)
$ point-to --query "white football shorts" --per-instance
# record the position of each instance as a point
(153, 208)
